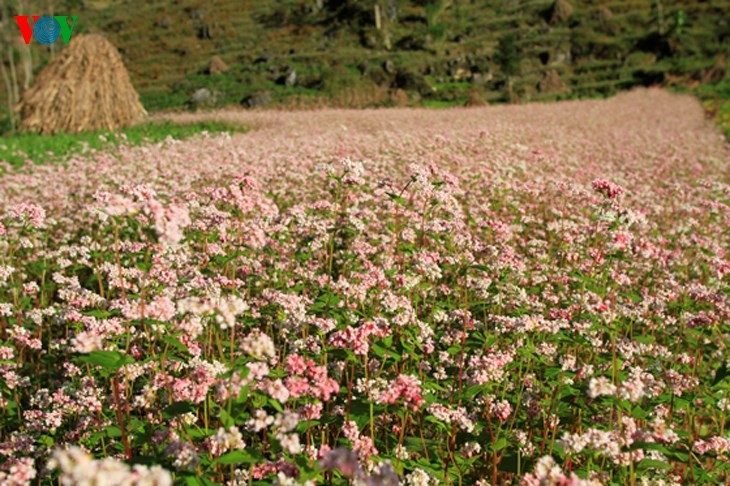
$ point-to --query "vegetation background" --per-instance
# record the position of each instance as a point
(194, 54)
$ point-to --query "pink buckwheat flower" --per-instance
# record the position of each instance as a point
(607, 189)
(717, 444)
(361, 444)
(405, 387)
(30, 213)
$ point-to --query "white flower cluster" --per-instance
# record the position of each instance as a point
(226, 440)
(80, 469)
(285, 423)
(226, 308)
(419, 477)
(258, 345)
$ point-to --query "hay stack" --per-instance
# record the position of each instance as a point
(216, 66)
(561, 12)
(552, 83)
(474, 98)
(85, 87)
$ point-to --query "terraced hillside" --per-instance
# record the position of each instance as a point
(368, 52)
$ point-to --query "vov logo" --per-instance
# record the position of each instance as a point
(46, 29)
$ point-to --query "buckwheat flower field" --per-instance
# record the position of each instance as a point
(532, 295)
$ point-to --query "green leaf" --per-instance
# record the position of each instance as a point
(500, 444)
(654, 464)
(474, 390)
(639, 413)
(46, 440)
(509, 464)
(196, 481)
(177, 408)
(650, 446)
(136, 425)
(174, 342)
(276, 405)
(99, 313)
(721, 373)
(109, 360)
(226, 419)
(304, 425)
(236, 457)
(381, 351)
(397, 198)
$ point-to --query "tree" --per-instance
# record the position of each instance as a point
(11, 47)
(9, 74)
(509, 58)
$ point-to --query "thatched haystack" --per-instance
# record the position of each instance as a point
(216, 66)
(474, 98)
(552, 83)
(85, 87)
(561, 12)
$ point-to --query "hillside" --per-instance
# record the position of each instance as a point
(391, 52)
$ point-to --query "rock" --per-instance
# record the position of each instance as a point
(291, 78)
(461, 73)
(262, 58)
(216, 66)
(481, 79)
(552, 83)
(368, 40)
(561, 11)
(563, 57)
(459, 69)
(196, 15)
(410, 81)
(288, 79)
(411, 43)
(257, 100)
(391, 10)
(165, 22)
(480, 64)
(204, 33)
(474, 98)
(202, 97)
(458, 66)
(389, 67)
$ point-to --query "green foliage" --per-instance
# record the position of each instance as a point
(107, 360)
(262, 40)
(338, 78)
(434, 11)
(509, 55)
(21, 147)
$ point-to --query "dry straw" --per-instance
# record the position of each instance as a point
(85, 87)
